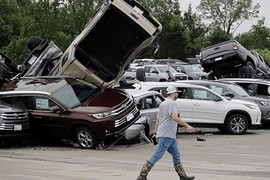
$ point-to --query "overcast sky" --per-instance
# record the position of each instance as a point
(246, 25)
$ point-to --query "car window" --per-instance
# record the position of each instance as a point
(218, 89)
(159, 100)
(203, 94)
(147, 69)
(262, 89)
(149, 102)
(30, 102)
(153, 69)
(42, 103)
(161, 90)
(183, 93)
(247, 86)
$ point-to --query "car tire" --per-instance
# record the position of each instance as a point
(85, 138)
(140, 74)
(245, 72)
(237, 124)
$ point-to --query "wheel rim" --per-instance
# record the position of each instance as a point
(238, 124)
(85, 139)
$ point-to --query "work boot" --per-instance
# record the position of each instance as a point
(145, 170)
(181, 172)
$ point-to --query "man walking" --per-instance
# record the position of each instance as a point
(166, 129)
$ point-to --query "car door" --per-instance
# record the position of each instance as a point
(47, 118)
(149, 111)
(184, 104)
(207, 106)
(151, 73)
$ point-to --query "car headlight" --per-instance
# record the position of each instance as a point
(252, 106)
(103, 115)
(264, 103)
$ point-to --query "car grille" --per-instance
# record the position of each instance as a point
(125, 105)
(203, 77)
(10, 120)
(123, 120)
(181, 78)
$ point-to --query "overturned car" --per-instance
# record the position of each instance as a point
(118, 32)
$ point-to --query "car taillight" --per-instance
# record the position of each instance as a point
(235, 45)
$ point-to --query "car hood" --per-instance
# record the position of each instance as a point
(242, 101)
(92, 109)
(111, 40)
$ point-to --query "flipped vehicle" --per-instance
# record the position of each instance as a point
(7, 68)
(202, 107)
(73, 109)
(230, 59)
(118, 32)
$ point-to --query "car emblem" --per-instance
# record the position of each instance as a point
(16, 115)
(123, 106)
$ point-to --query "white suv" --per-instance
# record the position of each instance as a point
(200, 106)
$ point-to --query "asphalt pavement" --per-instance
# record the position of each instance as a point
(207, 155)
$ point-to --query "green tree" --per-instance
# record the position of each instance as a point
(228, 15)
(257, 38)
(196, 31)
(8, 21)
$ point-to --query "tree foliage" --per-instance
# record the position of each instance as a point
(184, 34)
(228, 14)
(258, 38)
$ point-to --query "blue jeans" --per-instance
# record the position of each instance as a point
(166, 144)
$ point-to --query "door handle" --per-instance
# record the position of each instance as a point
(197, 104)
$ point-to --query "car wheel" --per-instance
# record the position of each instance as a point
(85, 138)
(140, 74)
(245, 72)
(237, 124)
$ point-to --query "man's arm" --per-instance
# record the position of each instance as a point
(183, 123)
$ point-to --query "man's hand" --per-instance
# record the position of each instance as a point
(190, 129)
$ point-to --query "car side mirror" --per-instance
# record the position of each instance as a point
(155, 72)
(218, 99)
(56, 109)
(229, 94)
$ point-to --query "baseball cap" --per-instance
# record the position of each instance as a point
(171, 89)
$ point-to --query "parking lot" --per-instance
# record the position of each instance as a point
(219, 157)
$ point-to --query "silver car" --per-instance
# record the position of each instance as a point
(148, 104)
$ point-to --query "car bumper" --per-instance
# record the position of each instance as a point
(133, 131)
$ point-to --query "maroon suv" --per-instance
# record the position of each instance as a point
(73, 109)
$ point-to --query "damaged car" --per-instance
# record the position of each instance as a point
(72, 109)
(74, 98)
(118, 33)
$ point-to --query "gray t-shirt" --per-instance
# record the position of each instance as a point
(167, 126)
